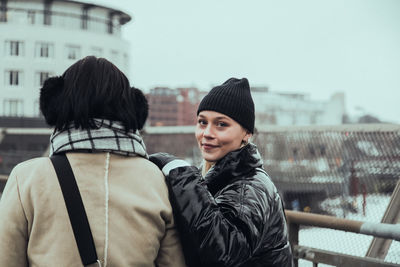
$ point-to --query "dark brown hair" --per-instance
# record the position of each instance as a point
(92, 88)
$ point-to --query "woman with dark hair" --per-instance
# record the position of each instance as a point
(228, 212)
(96, 116)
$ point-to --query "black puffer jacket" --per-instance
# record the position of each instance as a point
(232, 217)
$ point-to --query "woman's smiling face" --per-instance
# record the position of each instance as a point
(218, 134)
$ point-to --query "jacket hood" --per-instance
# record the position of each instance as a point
(238, 163)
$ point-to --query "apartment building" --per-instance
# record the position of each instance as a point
(41, 38)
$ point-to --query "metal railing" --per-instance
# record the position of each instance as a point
(296, 219)
(61, 19)
(383, 234)
(379, 247)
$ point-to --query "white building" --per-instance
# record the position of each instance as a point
(273, 108)
(41, 38)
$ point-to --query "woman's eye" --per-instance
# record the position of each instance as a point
(222, 124)
(202, 122)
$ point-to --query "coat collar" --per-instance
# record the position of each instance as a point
(238, 163)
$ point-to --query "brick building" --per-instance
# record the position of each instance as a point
(172, 107)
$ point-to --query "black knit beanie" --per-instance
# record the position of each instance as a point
(232, 98)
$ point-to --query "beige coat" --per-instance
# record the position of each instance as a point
(35, 229)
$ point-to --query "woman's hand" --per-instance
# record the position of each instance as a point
(161, 159)
(166, 162)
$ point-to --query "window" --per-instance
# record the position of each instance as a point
(44, 50)
(41, 77)
(13, 77)
(47, 13)
(126, 61)
(84, 18)
(3, 11)
(14, 48)
(13, 107)
(110, 23)
(97, 51)
(36, 108)
(114, 57)
(3, 15)
(73, 51)
(31, 16)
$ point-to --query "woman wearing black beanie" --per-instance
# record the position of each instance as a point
(228, 212)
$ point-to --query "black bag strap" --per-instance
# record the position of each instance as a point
(76, 210)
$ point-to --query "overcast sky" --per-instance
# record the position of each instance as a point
(310, 46)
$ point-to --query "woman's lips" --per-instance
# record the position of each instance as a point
(208, 146)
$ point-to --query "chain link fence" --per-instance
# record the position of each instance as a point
(347, 171)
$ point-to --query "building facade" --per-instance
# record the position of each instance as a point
(178, 107)
(41, 38)
(284, 109)
(172, 107)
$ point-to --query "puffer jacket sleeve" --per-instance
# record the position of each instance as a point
(13, 226)
(221, 231)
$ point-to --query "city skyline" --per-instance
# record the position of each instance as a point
(312, 47)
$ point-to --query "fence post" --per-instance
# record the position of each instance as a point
(294, 240)
(379, 246)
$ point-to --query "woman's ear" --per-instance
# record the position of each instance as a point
(247, 137)
(49, 99)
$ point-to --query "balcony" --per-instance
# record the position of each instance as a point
(62, 20)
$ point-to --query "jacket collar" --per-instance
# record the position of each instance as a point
(238, 163)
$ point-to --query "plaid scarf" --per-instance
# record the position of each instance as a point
(109, 137)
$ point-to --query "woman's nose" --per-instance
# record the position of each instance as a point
(208, 132)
